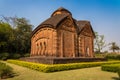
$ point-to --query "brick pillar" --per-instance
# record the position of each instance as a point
(62, 44)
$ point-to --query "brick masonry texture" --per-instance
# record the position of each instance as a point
(61, 36)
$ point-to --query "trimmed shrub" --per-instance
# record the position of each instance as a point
(15, 56)
(100, 55)
(113, 56)
(110, 68)
(5, 71)
(58, 67)
(26, 55)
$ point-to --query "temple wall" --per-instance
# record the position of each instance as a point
(85, 46)
(43, 42)
(66, 43)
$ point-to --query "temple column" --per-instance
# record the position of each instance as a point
(62, 45)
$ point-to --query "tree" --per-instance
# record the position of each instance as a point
(114, 46)
(5, 36)
(99, 42)
(21, 31)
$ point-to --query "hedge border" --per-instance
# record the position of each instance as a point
(111, 67)
(59, 67)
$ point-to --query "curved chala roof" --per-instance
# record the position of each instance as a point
(56, 17)
(59, 15)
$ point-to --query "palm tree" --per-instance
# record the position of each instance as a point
(114, 47)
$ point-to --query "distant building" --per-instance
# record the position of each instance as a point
(63, 36)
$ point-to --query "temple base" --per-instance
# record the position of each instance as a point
(57, 60)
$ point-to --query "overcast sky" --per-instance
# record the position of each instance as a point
(104, 15)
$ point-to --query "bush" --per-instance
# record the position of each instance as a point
(113, 56)
(4, 56)
(15, 56)
(58, 67)
(110, 68)
(26, 55)
(35, 66)
(5, 71)
(100, 55)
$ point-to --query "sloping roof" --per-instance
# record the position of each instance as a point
(54, 20)
(61, 9)
(81, 24)
(51, 22)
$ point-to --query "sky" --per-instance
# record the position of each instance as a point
(104, 15)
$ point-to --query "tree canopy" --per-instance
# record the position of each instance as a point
(114, 46)
(5, 36)
(99, 42)
(15, 35)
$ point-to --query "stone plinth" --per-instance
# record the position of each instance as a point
(57, 60)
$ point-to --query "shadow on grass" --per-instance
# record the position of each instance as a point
(116, 78)
(15, 74)
(10, 76)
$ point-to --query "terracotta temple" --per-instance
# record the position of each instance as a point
(63, 36)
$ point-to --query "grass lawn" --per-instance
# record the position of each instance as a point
(94, 73)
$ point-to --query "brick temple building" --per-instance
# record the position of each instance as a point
(63, 36)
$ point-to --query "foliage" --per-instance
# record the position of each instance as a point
(99, 55)
(15, 56)
(113, 56)
(26, 55)
(4, 56)
(5, 70)
(22, 37)
(99, 43)
(111, 67)
(15, 35)
(5, 36)
(114, 46)
(58, 67)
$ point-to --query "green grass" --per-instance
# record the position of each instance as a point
(95, 73)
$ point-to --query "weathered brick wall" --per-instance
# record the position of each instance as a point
(86, 43)
(66, 45)
(67, 39)
(44, 42)
(64, 41)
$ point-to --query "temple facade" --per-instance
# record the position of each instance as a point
(63, 36)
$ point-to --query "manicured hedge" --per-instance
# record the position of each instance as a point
(111, 67)
(58, 67)
(113, 56)
(35, 66)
